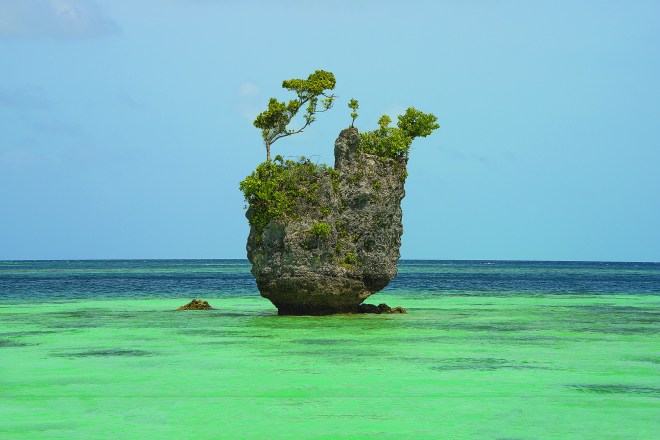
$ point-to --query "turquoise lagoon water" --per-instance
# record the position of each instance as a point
(493, 350)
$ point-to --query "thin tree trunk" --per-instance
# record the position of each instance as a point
(267, 152)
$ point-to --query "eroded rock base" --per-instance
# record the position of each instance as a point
(379, 309)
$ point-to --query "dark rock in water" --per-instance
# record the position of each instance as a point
(368, 308)
(340, 244)
(196, 305)
(384, 308)
(379, 309)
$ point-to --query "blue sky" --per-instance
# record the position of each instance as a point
(126, 125)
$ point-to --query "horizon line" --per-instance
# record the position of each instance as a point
(399, 260)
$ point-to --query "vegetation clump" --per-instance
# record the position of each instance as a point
(321, 230)
(350, 259)
(394, 142)
(273, 189)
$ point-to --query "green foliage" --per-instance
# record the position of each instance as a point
(389, 142)
(274, 121)
(353, 105)
(273, 189)
(417, 124)
(394, 142)
(383, 123)
(334, 175)
(321, 230)
(350, 258)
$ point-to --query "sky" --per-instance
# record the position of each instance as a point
(126, 125)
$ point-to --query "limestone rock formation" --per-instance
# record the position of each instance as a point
(340, 241)
(196, 305)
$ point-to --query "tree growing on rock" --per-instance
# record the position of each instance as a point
(274, 121)
(353, 105)
(394, 142)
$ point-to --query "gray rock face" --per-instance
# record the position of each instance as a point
(304, 268)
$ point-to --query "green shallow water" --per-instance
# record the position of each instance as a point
(492, 366)
(462, 367)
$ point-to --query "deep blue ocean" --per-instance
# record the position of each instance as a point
(30, 280)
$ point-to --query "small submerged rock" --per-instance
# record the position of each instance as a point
(196, 305)
(379, 309)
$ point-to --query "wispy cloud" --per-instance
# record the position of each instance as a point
(51, 127)
(248, 103)
(129, 101)
(394, 112)
(54, 18)
(33, 154)
(23, 98)
(248, 89)
(461, 155)
(15, 158)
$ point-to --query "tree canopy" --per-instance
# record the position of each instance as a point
(353, 105)
(395, 142)
(274, 121)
